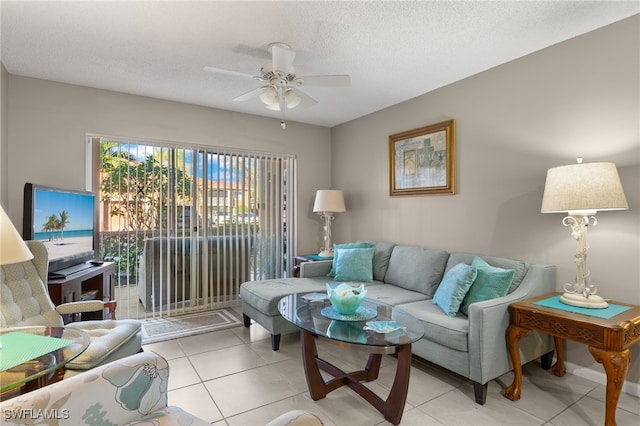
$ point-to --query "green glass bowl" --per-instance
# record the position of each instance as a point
(346, 299)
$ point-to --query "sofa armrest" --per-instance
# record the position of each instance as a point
(119, 392)
(315, 269)
(488, 322)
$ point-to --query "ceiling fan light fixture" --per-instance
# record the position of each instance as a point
(270, 96)
(292, 99)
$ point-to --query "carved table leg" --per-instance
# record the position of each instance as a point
(558, 368)
(615, 365)
(514, 334)
(315, 382)
(394, 405)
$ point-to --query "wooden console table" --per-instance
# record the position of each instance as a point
(94, 283)
(608, 341)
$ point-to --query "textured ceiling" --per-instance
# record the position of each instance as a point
(393, 51)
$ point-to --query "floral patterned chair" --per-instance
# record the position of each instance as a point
(131, 390)
(128, 391)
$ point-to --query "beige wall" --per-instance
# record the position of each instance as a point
(4, 139)
(578, 98)
(49, 121)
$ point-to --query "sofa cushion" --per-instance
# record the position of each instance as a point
(381, 257)
(416, 268)
(344, 246)
(447, 331)
(354, 264)
(454, 287)
(520, 267)
(491, 282)
(391, 294)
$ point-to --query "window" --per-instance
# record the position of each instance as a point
(187, 225)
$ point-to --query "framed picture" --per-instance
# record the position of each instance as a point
(422, 161)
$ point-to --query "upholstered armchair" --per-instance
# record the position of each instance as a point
(132, 390)
(25, 301)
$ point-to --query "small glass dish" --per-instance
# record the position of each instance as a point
(383, 326)
(315, 297)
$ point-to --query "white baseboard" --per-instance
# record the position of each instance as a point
(600, 377)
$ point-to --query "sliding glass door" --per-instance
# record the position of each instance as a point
(187, 225)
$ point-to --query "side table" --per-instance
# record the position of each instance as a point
(305, 258)
(608, 341)
(40, 362)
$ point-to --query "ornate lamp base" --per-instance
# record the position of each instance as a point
(326, 253)
(576, 299)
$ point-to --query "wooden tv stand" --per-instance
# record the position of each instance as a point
(94, 283)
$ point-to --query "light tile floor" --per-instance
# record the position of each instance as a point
(232, 377)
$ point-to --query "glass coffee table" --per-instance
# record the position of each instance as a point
(376, 328)
(33, 357)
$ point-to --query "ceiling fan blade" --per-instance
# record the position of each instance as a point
(341, 80)
(282, 58)
(228, 72)
(305, 100)
(250, 94)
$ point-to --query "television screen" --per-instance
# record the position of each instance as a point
(62, 219)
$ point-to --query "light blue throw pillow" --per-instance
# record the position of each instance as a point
(490, 283)
(332, 272)
(454, 287)
(354, 264)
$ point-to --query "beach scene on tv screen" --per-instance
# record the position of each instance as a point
(63, 222)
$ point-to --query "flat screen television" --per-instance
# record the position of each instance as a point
(65, 221)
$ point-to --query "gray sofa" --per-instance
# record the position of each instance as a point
(407, 277)
(164, 274)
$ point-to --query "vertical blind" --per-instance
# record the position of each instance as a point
(186, 226)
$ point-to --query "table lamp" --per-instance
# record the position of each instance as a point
(581, 190)
(12, 248)
(328, 201)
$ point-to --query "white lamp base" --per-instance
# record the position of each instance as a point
(576, 299)
(326, 253)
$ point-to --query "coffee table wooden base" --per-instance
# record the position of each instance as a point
(391, 409)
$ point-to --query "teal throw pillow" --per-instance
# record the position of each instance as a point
(354, 264)
(344, 246)
(490, 283)
(453, 287)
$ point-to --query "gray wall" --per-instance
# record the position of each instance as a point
(578, 98)
(49, 121)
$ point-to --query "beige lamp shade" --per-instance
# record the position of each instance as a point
(12, 248)
(329, 200)
(583, 188)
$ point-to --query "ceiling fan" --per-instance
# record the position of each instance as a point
(280, 91)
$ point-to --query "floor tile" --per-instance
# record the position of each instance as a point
(182, 373)
(626, 401)
(267, 413)
(226, 361)
(169, 349)
(233, 378)
(209, 341)
(590, 412)
(246, 390)
(458, 407)
(196, 400)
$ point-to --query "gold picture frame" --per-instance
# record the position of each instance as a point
(422, 161)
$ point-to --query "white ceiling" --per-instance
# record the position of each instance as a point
(393, 51)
